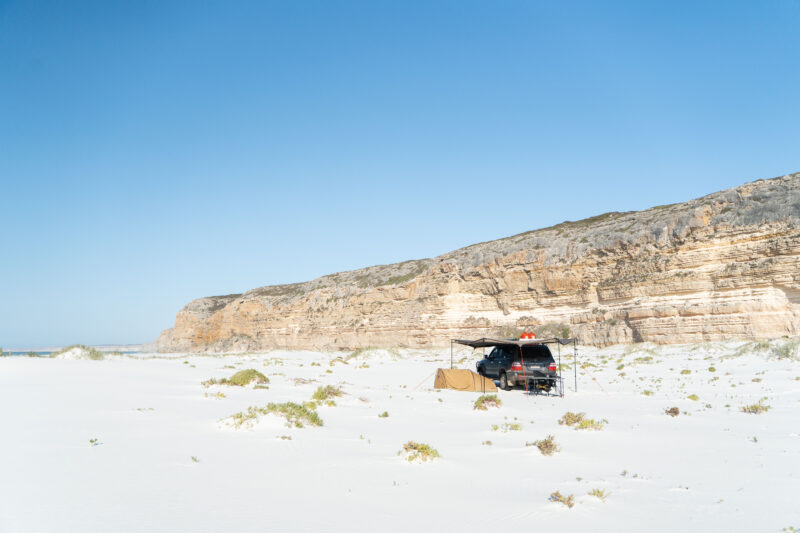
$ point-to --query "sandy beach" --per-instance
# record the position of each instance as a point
(167, 457)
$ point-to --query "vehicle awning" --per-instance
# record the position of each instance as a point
(486, 342)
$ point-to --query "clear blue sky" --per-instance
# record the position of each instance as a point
(154, 152)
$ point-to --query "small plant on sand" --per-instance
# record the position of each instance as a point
(506, 427)
(547, 446)
(195, 459)
(588, 423)
(417, 451)
(647, 392)
(693, 397)
(326, 393)
(487, 400)
(672, 411)
(557, 497)
(712, 369)
(94, 442)
(685, 372)
(600, 494)
(296, 415)
(487, 443)
(756, 408)
(384, 414)
(240, 379)
(570, 418)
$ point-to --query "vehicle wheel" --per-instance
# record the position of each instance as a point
(504, 381)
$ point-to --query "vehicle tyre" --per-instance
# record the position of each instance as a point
(504, 381)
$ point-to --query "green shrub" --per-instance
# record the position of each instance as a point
(487, 400)
(240, 379)
(418, 451)
(506, 427)
(384, 414)
(685, 371)
(756, 408)
(600, 494)
(672, 411)
(693, 397)
(588, 423)
(296, 415)
(326, 393)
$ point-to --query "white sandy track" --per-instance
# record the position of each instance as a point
(700, 471)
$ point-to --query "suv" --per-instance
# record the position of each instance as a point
(504, 363)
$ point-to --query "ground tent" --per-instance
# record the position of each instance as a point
(464, 380)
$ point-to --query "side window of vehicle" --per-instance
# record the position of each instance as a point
(494, 353)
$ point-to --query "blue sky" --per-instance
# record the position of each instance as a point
(155, 152)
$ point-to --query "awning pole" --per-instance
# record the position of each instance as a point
(560, 381)
(524, 374)
(575, 361)
(451, 354)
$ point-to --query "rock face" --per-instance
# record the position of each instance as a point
(721, 266)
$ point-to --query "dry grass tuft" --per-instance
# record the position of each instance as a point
(547, 445)
(557, 497)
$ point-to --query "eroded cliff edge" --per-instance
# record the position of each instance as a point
(721, 266)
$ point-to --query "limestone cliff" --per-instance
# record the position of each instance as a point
(721, 266)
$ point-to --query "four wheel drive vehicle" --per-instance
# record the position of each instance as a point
(514, 365)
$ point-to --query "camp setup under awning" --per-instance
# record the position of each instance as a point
(520, 344)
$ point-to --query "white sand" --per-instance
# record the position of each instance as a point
(701, 471)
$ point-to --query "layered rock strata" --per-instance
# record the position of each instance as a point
(721, 266)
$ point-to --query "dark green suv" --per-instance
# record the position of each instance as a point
(513, 366)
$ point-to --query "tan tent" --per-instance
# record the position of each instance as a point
(466, 380)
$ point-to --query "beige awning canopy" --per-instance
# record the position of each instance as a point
(486, 342)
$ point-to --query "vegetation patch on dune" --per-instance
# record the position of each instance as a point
(328, 392)
(487, 400)
(579, 421)
(417, 451)
(547, 446)
(570, 418)
(296, 415)
(78, 351)
(756, 408)
(240, 379)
